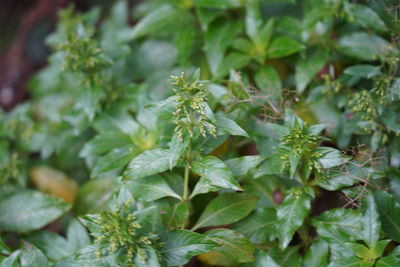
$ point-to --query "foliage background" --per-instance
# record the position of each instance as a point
(304, 97)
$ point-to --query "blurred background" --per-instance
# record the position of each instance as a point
(24, 25)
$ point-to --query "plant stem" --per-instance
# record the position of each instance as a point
(185, 196)
(186, 183)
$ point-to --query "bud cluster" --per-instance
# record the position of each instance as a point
(300, 141)
(363, 102)
(190, 113)
(83, 55)
(303, 145)
(119, 229)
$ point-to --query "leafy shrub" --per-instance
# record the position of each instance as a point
(247, 133)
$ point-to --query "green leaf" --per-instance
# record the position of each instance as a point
(4, 249)
(361, 251)
(351, 262)
(362, 45)
(29, 210)
(233, 61)
(151, 188)
(331, 157)
(176, 216)
(259, 226)
(53, 245)
(225, 209)
(379, 247)
(283, 46)
(262, 260)
(181, 245)
(364, 71)
(152, 22)
(241, 166)
(223, 4)
(32, 257)
(388, 261)
(265, 34)
(366, 17)
(115, 159)
(12, 260)
(148, 163)
(227, 126)
(206, 16)
(272, 165)
(253, 19)
(308, 68)
(269, 82)
(289, 257)
(343, 177)
(217, 39)
(93, 196)
(232, 244)
(214, 175)
(291, 214)
(277, 131)
(77, 235)
(101, 144)
(176, 149)
(340, 225)
(372, 225)
(389, 213)
(317, 254)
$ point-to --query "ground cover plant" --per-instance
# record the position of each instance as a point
(208, 133)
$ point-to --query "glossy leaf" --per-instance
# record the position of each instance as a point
(29, 210)
(115, 159)
(30, 256)
(214, 175)
(269, 82)
(152, 22)
(260, 226)
(389, 213)
(351, 262)
(283, 46)
(232, 244)
(372, 225)
(227, 126)
(217, 40)
(388, 261)
(317, 254)
(176, 217)
(148, 163)
(217, 4)
(181, 245)
(286, 258)
(225, 209)
(291, 214)
(241, 166)
(53, 245)
(364, 71)
(362, 45)
(151, 188)
(367, 17)
(331, 157)
(308, 68)
(340, 225)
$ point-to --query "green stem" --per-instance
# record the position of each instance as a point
(186, 184)
(185, 196)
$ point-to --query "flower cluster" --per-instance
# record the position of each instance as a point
(190, 113)
(363, 102)
(301, 144)
(83, 55)
(300, 141)
(119, 230)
